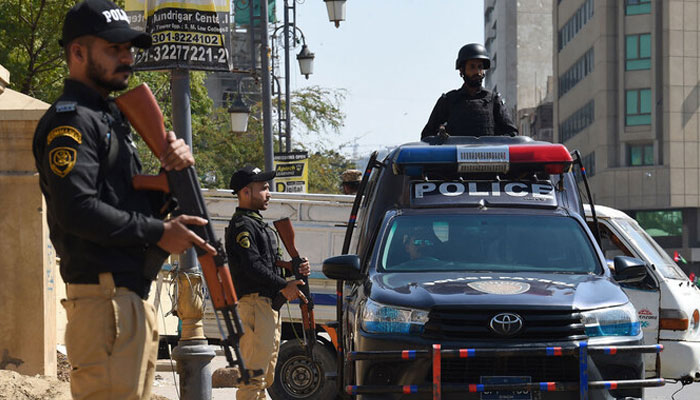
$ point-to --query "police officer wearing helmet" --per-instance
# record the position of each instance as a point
(101, 227)
(471, 110)
(253, 252)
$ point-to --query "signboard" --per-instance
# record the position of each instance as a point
(188, 34)
(292, 172)
(449, 194)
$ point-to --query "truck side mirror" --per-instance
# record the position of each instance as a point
(343, 268)
(629, 269)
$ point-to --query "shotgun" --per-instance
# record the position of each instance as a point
(141, 109)
(286, 232)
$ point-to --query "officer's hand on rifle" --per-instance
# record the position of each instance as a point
(291, 291)
(304, 267)
(177, 156)
(178, 238)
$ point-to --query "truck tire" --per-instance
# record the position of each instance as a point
(297, 377)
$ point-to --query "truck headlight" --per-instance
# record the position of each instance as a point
(612, 321)
(380, 318)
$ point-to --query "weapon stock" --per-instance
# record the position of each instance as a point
(286, 232)
(141, 109)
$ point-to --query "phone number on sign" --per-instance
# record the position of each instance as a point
(183, 52)
(209, 39)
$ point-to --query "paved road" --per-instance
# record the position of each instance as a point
(164, 385)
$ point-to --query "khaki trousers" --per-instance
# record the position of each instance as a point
(112, 342)
(260, 343)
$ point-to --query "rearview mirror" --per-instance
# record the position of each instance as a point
(629, 269)
(343, 268)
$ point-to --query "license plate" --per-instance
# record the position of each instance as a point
(506, 394)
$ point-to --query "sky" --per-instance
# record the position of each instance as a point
(394, 58)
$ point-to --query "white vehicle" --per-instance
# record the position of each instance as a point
(666, 301)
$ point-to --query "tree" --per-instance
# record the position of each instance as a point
(29, 34)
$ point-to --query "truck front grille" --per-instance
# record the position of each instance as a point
(459, 323)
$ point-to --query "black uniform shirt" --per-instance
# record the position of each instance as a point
(97, 221)
(252, 249)
(483, 114)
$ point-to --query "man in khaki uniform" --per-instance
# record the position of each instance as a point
(100, 226)
(351, 180)
(253, 251)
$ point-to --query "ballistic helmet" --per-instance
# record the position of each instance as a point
(472, 51)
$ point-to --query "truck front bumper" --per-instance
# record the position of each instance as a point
(538, 369)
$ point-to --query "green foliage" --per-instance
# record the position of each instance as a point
(29, 33)
(325, 168)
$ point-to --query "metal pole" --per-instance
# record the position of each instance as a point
(287, 106)
(192, 353)
(182, 124)
(266, 93)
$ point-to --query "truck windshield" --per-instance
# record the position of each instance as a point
(487, 243)
(651, 250)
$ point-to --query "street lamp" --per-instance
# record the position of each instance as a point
(306, 61)
(239, 115)
(336, 11)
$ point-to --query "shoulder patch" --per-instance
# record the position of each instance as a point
(64, 130)
(66, 106)
(243, 239)
(62, 160)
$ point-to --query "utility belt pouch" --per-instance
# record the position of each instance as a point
(153, 261)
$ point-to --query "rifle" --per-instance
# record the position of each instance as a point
(141, 109)
(286, 232)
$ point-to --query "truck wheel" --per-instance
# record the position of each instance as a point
(297, 377)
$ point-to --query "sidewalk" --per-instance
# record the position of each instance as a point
(166, 381)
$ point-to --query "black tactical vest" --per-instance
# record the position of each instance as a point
(470, 116)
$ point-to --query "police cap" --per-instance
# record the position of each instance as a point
(248, 174)
(103, 19)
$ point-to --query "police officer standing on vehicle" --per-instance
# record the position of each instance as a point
(253, 251)
(471, 110)
(101, 227)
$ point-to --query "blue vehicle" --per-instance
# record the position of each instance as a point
(474, 276)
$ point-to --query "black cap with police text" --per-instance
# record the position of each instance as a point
(103, 19)
(248, 174)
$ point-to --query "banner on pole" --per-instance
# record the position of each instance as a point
(292, 172)
(188, 34)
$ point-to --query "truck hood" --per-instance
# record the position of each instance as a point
(424, 290)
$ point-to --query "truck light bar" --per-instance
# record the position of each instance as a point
(553, 158)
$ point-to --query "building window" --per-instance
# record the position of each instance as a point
(575, 24)
(641, 155)
(638, 52)
(577, 122)
(581, 68)
(661, 223)
(638, 111)
(636, 7)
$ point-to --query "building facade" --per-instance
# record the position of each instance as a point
(518, 37)
(626, 95)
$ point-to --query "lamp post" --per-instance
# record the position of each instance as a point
(239, 113)
(305, 59)
(336, 11)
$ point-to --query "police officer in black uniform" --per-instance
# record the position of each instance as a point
(102, 229)
(471, 110)
(253, 252)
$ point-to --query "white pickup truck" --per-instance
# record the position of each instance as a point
(666, 301)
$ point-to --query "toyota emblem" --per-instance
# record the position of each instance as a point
(506, 324)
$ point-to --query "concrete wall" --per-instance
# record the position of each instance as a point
(27, 299)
